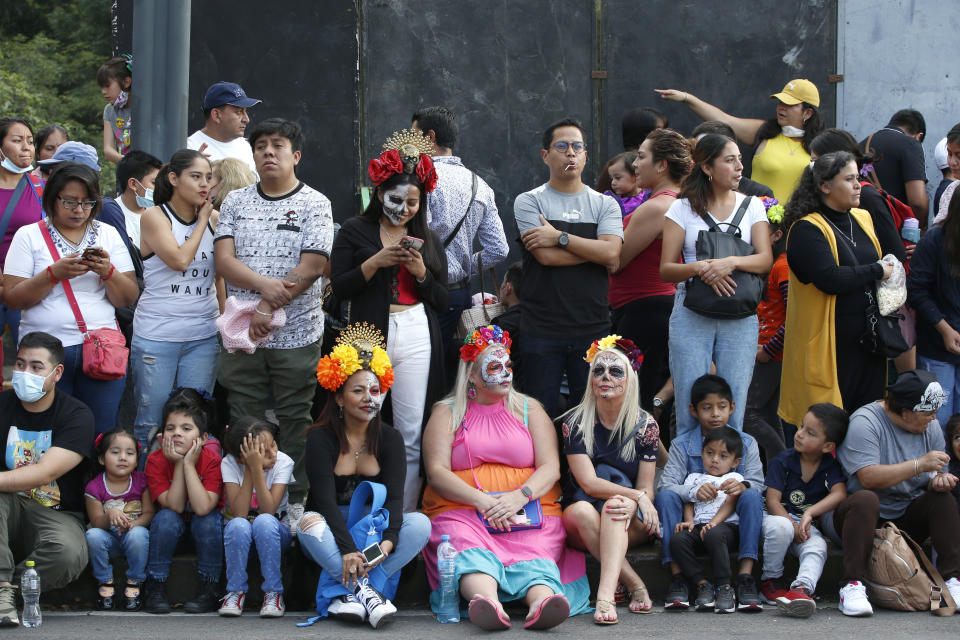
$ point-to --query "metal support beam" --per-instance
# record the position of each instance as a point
(161, 75)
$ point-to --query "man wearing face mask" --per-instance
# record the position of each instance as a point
(47, 436)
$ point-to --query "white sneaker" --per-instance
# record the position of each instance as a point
(953, 586)
(379, 609)
(853, 600)
(294, 513)
(232, 604)
(347, 608)
(273, 605)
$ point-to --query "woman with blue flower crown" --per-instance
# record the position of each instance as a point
(611, 446)
(492, 470)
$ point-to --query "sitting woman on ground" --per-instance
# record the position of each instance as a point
(897, 470)
(611, 446)
(491, 459)
(93, 259)
(175, 340)
(782, 143)
(348, 445)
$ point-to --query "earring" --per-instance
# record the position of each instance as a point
(709, 178)
(471, 391)
(339, 410)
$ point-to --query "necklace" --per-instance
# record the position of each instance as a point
(848, 237)
(393, 239)
(356, 454)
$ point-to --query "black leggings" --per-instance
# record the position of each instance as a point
(646, 321)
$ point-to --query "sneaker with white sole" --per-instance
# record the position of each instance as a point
(953, 586)
(273, 605)
(797, 602)
(232, 604)
(853, 600)
(8, 606)
(347, 608)
(379, 609)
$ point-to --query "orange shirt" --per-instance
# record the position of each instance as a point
(772, 310)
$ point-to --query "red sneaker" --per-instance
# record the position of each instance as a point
(772, 589)
(797, 603)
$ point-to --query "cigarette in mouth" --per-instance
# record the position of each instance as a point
(570, 167)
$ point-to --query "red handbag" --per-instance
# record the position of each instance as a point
(105, 352)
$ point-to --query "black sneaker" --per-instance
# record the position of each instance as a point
(206, 600)
(379, 609)
(155, 597)
(678, 594)
(748, 599)
(726, 601)
(705, 599)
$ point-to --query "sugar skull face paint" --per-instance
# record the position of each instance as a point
(395, 202)
(361, 395)
(608, 376)
(496, 369)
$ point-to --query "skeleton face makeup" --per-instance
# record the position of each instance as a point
(394, 203)
(496, 369)
(361, 395)
(608, 376)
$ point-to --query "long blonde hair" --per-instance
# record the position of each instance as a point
(231, 174)
(458, 399)
(582, 417)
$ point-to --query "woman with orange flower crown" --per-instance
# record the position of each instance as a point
(350, 444)
(611, 446)
(392, 270)
(492, 470)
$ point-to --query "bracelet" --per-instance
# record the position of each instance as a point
(419, 281)
(916, 467)
(263, 313)
(53, 278)
(109, 273)
(642, 493)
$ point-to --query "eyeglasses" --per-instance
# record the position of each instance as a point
(563, 145)
(86, 205)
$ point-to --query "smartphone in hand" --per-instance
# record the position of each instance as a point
(410, 242)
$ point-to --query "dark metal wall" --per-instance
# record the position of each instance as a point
(353, 71)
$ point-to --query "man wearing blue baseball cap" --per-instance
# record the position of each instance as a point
(225, 109)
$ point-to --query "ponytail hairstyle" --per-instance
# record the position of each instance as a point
(104, 441)
(807, 197)
(667, 144)
(243, 427)
(834, 139)
(179, 162)
(119, 68)
(813, 127)
(696, 186)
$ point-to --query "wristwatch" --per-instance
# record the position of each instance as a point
(563, 240)
(657, 402)
(527, 492)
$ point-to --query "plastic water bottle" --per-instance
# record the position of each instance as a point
(910, 231)
(449, 592)
(30, 589)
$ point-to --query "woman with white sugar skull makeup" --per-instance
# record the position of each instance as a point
(611, 446)
(492, 469)
(392, 270)
(350, 444)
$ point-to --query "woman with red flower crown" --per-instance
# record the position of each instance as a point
(392, 270)
(611, 446)
(492, 471)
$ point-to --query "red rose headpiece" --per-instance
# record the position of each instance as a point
(405, 152)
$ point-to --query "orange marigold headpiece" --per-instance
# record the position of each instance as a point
(359, 346)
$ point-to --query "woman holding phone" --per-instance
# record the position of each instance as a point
(391, 269)
(174, 335)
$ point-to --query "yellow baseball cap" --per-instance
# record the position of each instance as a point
(797, 91)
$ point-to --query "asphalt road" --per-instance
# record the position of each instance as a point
(414, 625)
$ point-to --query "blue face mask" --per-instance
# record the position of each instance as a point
(29, 386)
(146, 200)
(7, 164)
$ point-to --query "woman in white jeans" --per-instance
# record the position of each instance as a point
(391, 269)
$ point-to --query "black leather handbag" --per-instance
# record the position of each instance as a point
(713, 243)
(882, 335)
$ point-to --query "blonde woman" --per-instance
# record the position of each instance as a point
(490, 452)
(229, 175)
(611, 446)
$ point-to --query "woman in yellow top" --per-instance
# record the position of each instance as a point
(833, 253)
(782, 143)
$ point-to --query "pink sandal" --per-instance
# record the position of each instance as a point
(552, 611)
(485, 613)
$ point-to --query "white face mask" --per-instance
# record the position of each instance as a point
(29, 386)
(7, 164)
(791, 132)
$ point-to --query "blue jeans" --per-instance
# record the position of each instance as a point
(10, 318)
(695, 342)
(272, 539)
(158, 367)
(103, 545)
(545, 360)
(102, 396)
(168, 527)
(414, 534)
(948, 375)
(669, 506)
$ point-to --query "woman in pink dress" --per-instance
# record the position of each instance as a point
(486, 438)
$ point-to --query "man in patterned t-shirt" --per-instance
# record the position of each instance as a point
(273, 241)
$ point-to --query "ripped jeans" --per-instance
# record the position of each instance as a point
(159, 367)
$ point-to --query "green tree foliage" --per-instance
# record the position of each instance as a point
(49, 56)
